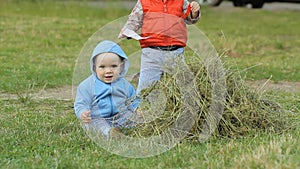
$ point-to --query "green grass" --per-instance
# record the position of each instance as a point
(268, 40)
(40, 42)
(46, 134)
(39, 45)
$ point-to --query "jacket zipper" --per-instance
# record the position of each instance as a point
(165, 10)
(165, 5)
(111, 103)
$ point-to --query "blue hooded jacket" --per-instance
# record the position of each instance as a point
(104, 99)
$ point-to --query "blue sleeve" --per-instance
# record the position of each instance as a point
(84, 96)
(131, 91)
(135, 100)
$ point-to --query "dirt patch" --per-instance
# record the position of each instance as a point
(278, 86)
(68, 93)
(62, 93)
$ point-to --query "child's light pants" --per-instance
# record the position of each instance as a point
(153, 64)
(103, 125)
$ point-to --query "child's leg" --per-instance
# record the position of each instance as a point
(153, 64)
(150, 70)
(99, 125)
(123, 120)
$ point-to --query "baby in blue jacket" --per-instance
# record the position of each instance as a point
(101, 98)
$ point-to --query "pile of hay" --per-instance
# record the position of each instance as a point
(245, 111)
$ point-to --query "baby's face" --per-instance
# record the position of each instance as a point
(108, 67)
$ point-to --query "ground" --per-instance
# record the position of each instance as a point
(67, 92)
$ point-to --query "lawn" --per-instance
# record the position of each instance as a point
(40, 42)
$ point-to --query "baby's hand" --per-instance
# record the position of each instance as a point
(195, 7)
(86, 117)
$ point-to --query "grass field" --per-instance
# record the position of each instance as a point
(40, 42)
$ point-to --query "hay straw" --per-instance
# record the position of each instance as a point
(245, 110)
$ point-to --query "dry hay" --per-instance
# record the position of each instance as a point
(246, 111)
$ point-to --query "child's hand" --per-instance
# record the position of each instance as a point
(139, 112)
(195, 7)
(138, 116)
(86, 117)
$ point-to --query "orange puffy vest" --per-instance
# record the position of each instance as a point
(163, 23)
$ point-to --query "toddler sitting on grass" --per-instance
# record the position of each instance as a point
(100, 97)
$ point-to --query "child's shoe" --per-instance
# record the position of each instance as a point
(116, 133)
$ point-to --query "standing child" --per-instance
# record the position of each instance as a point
(100, 97)
(164, 34)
